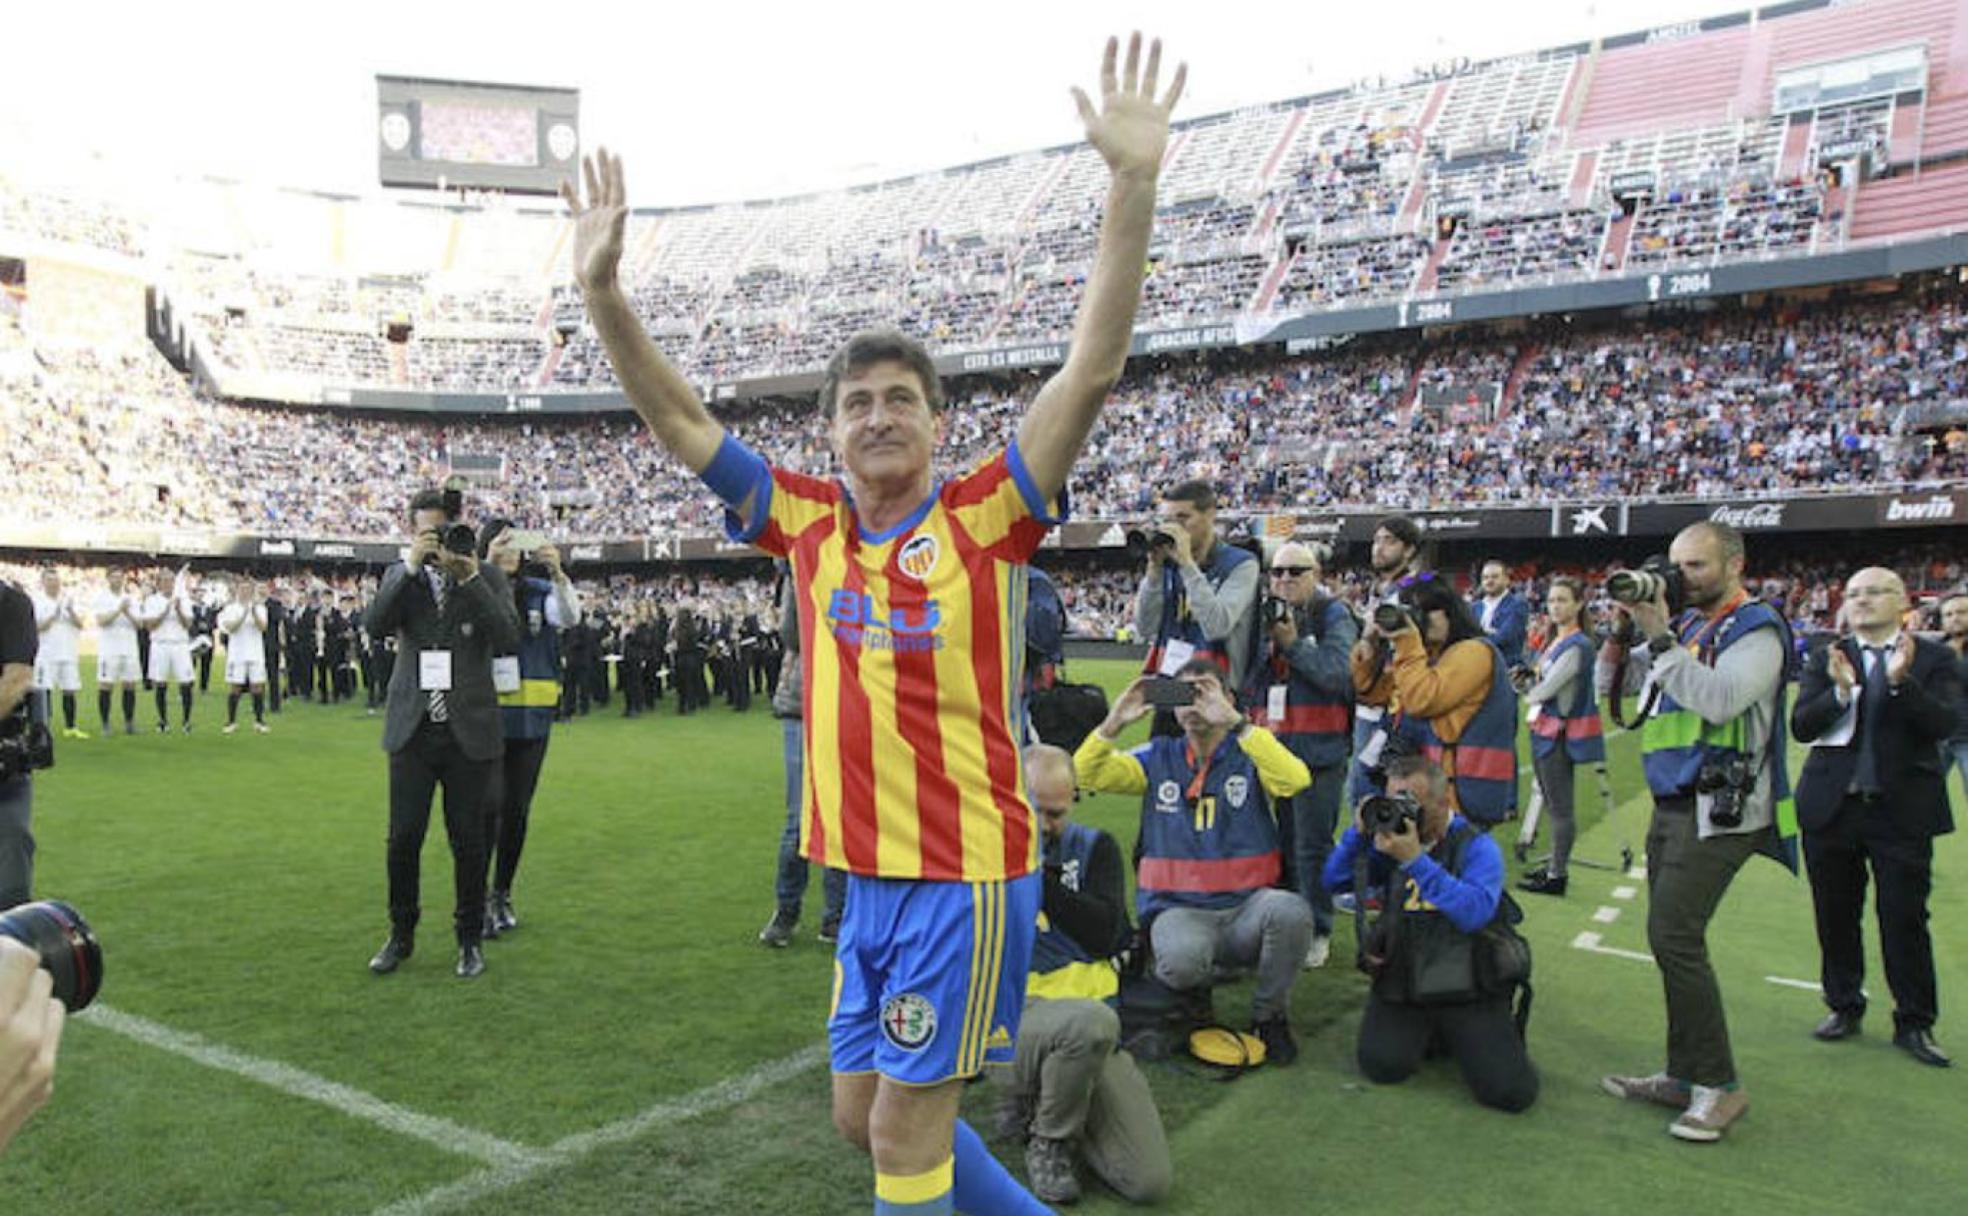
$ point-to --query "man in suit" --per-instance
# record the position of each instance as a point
(1502, 613)
(442, 727)
(1877, 707)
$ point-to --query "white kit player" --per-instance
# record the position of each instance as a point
(244, 622)
(116, 648)
(57, 664)
(168, 616)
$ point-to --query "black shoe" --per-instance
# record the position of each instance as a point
(394, 951)
(1542, 882)
(830, 931)
(488, 928)
(1838, 1024)
(471, 961)
(502, 911)
(778, 932)
(1280, 1047)
(1921, 1046)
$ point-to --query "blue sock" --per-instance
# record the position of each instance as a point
(984, 1186)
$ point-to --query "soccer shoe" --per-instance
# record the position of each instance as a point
(74, 733)
(130, 728)
(1659, 1088)
(1049, 1168)
(1318, 952)
(502, 911)
(1709, 1114)
(778, 932)
(229, 728)
(187, 728)
(471, 961)
(394, 951)
(262, 728)
(163, 728)
(1280, 1047)
(489, 927)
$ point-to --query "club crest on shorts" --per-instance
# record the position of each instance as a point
(1236, 790)
(908, 1021)
(918, 557)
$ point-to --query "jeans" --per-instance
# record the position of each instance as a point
(791, 886)
(16, 842)
(1315, 817)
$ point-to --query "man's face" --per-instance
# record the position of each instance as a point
(1052, 798)
(1416, 786)
(1874, 600)
(1295, 575)
(1208, 688)
(1198, 523)
(1496, 580)
(1954, 617)
(427, 519)
(883, 429)
(50, 584)
(1698, 555)
(1390, 553)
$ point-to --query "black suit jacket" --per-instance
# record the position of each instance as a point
(478, 622)
(1910, 731)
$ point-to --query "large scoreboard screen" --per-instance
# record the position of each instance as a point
(457, 134)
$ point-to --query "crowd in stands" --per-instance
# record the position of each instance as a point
(1741, 403)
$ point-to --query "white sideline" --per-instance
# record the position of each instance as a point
(449, 1136)
(712, 1098)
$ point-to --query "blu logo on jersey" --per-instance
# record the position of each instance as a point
(856, 620)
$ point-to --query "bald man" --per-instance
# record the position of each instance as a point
(1877, 706)
(1301, 688)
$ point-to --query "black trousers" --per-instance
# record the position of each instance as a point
(1836, 858)
(507, 811)
(433, 758)
(1480, 1035)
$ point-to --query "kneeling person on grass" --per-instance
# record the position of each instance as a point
(1449, 889)
(1209, 845)
(1073, 1094)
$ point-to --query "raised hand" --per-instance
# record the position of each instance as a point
(1900, 662)
(598, 225)
(1839, 668)
(1130, 129)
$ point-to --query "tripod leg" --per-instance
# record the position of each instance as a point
(1528, 833)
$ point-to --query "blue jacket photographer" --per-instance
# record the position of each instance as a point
(1444, 960)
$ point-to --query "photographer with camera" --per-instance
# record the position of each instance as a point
(1301, 688)
(1877, 708)
(1712, 748)
(1436, 977)
(1565, 730)
(1197, 596)
(24, 744)
(451, 615)
(544, 602)
(1394, 554)
(1452, 700)
(1208, 849)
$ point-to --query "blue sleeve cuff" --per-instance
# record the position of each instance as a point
(1029, 490)
(740, 478)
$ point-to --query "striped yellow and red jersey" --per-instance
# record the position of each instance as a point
(911, 641)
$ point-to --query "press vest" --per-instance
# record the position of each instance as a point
(1482, 763)
(1205, 843)
(1574, 714)
(529, 712)
(1178, 625)
(1061, 967)
(1317, 726)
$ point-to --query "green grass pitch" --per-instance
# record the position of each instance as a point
(631, 1048)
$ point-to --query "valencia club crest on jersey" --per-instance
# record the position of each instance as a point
(918, 557)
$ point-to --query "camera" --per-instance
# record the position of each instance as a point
(1726, 780)
(1389, 813)
(27, 749)
(1392, 618)
(1145, 540)
(1656, 577)
(68, 948)
(1521, 676)
(1275, 611)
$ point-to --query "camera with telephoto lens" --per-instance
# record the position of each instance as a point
(454, 537)
(1149, 539)
(68, 947)
(25, 744)
(1656, 578)
(1727, 780)
(1389, 813)
(1392, 618)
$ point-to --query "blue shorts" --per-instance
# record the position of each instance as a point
(929, 977)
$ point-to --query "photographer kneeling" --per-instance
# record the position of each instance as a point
(1427, 954)
(1448, 681)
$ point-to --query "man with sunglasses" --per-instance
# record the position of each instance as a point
(1301, 688)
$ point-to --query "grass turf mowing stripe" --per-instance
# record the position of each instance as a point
(710, 1099)
(443, 1133)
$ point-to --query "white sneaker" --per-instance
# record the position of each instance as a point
(1709, 1114)
(263, 728)
(228, 728)
(1318, 952)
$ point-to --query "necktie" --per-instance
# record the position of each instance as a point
(1865, 778)
(439, 711)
